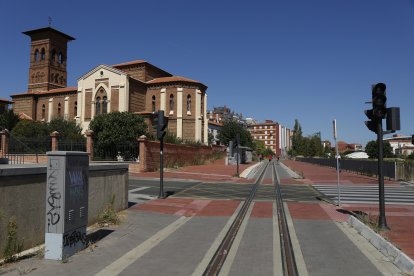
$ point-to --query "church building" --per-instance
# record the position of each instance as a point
(135, 86)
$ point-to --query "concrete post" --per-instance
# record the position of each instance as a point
(4, 142)
(89, 144)
(54, 135)
(142, 153)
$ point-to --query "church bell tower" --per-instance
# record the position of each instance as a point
(48, 59)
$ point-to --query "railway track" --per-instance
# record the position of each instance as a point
(288, 259)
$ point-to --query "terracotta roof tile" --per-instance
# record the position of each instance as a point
(52, 91)
(172, 79)
(24, 116)
(215, 123)
(138, 61)
(5, 101)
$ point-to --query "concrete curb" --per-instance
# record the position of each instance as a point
(396, 256)
(290, 171)
(250, 171)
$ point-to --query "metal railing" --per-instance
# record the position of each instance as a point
(127, 151)
(19, 148)
(365, 167)
(72, 145)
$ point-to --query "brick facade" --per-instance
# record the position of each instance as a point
(174, 155)
(129, 86)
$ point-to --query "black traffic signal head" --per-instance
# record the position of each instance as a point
(162, 124)
(379, 100)
(372, 123)
(412, 139)
(393, 119)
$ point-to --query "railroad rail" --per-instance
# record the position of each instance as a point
(288, 256)
(218, 259)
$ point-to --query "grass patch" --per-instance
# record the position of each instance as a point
(109, 215)
(13, 244)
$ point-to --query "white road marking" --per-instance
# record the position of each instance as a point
(277, 254)
(225, 270)
(213, 248)
(300, 261)
(138, 189)
(130, 257)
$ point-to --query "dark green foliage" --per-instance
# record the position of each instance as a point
(228, 133)
(68, 130)
(117, 127)
(171, 138)
(297, 140)
(372, 149)
(307, 146)
(8, 120)
(30, 129)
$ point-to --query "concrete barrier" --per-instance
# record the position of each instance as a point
(23, 195)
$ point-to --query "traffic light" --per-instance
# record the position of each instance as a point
(372, 123)
(162, 124)
(393, 119)
(412, 139)
(379, 100)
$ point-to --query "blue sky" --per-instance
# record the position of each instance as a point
(282, 60)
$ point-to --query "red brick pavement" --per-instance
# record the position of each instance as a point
(320, 174)
(400, 218)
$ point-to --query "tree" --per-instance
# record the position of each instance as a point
(260, 147)
(372, 149)
(117, 127)
(298, 146)
(229, 131)
(30, 129)
(8, 120)
(67, 129)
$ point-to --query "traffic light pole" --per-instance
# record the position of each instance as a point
(161, 194)
(382, 222)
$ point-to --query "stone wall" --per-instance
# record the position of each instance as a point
(23, 195)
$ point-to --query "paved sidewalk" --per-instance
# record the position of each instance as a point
(400, 218)
(176, 236)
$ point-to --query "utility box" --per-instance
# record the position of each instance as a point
(66, 203)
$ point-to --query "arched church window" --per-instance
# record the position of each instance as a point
(61, 80)
(188, 103)
(75, 109)
(59, 113)
(171, 103)
(43, 111)
(60, 58)
(53, 59)
(98, 105)
(104, 105)
(153, 104)
(56, 78)
(36, 55)
(43, 54)
(52, 77)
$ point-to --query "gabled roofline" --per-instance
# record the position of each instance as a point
(136, 62)
(103, 66)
